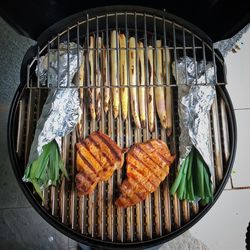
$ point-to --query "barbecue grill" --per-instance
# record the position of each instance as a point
(94, 219)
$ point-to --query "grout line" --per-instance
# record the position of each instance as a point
(13, 208)
(237, 188)
(231, 181)
(239, 109)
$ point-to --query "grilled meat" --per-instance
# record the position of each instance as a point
(97, 158)
(147, 166)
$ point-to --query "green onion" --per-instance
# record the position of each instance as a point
(44, 171)
(193, 180)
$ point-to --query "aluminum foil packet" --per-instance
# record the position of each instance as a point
(194, 103)
(61, 110)
(224, 46)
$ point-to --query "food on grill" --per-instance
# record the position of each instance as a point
(159, 91)
(114, 76)
(97, 158)
(150, 96)
(98, 77)
(123, 75)
(45, 170)
(142, 90)
(91, 91)
(81, 90)
(132, 78)
(167, 73)
(147, 166)
(193, 180)
(106, 82)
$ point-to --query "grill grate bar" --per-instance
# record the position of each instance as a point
(21, 115)
(217, 143)
(73, 193)
(175, 54)
(137, 134)
(225, 131)
(157, 194)
(204, 60)
(185, 53)
(215, 65)
(194, 59)
(83, 133)
(174, 150)
(63, 197)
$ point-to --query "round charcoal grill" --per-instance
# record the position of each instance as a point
(94, 219)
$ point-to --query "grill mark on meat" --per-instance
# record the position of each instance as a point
(140, 196)
(103, 152)
(132, 195)
(89, 150)
(109, 145)
(86, 162)
(87, 177)
(81, 178)
(128, 201)
(153, 160)
(132, 175)
(145, 165)
(160, 155)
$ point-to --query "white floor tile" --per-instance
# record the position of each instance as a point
(225, 225)
(238, 73)
(241, 170)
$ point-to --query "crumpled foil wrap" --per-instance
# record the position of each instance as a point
(61, 110)
(224, 46)
(194, 103)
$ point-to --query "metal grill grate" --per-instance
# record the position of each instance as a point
(95, 216)
(176, 39)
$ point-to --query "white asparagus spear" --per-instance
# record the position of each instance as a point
(167, 73)
(123, 75)
(151, 110)
(81, 93)
(105, 80)
(98, 78)
(159, 91)
(142, 90)
(132, 78)
(114, 76)
(92, 78)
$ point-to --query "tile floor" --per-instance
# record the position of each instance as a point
(223, 228)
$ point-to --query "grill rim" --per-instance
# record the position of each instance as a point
(98, 242)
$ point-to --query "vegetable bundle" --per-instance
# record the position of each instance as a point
(44, 171)
(193, 181)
